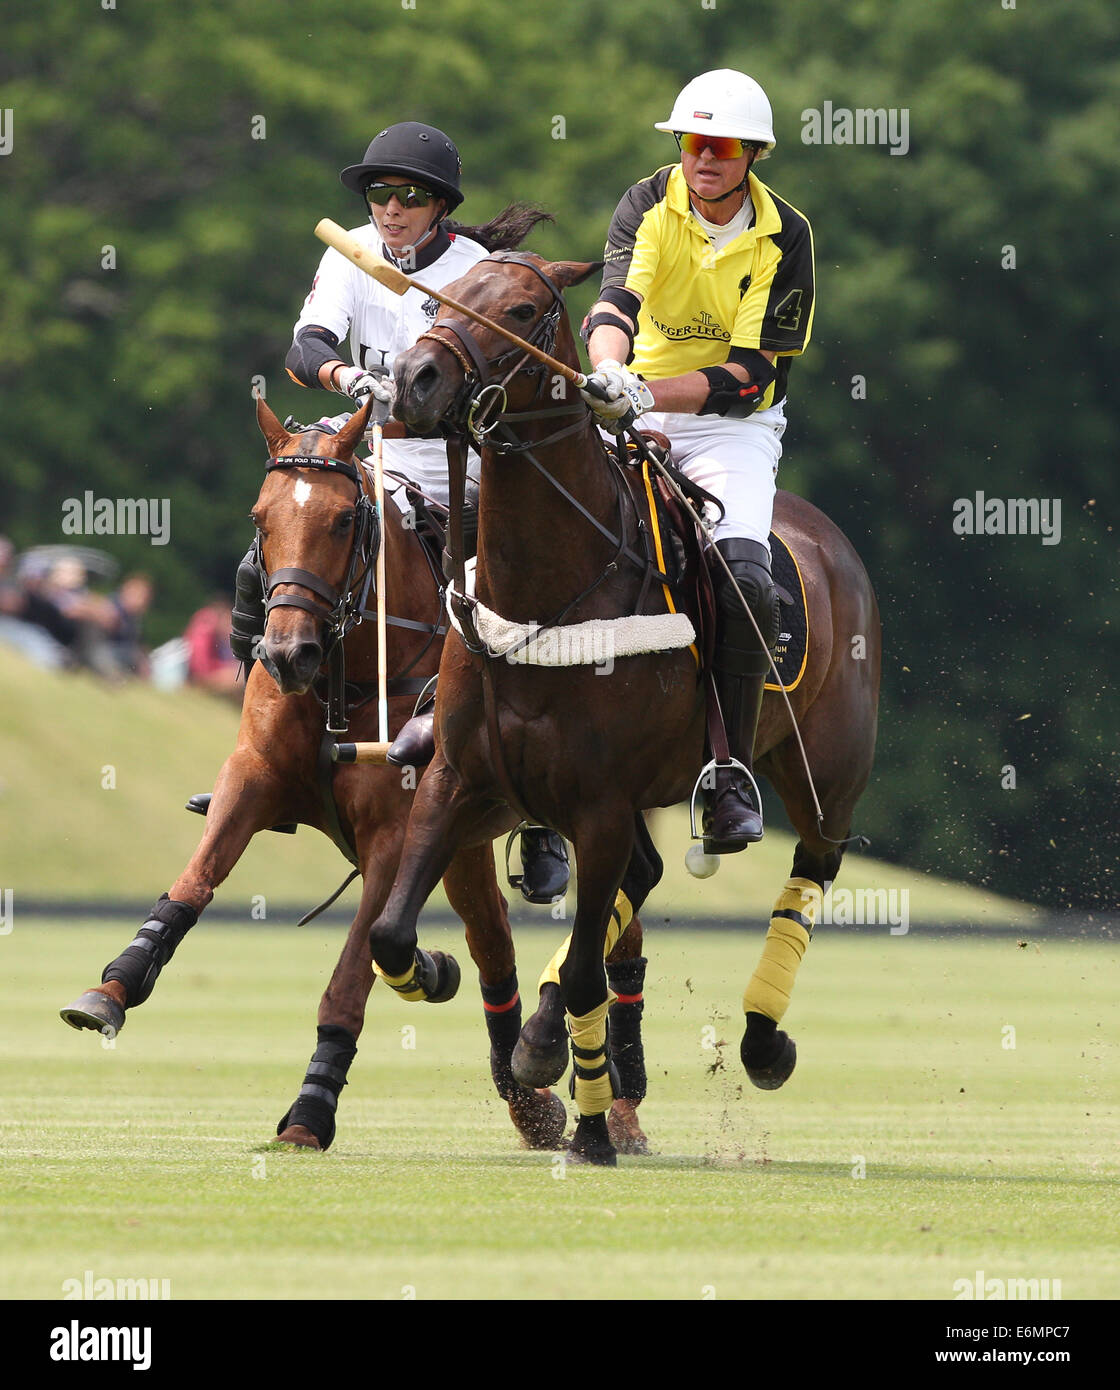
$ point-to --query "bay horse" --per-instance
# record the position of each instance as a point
(583, 750)
(318, 542)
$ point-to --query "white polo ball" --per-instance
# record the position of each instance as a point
(699, 864)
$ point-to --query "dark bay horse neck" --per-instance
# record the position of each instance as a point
(565, 553)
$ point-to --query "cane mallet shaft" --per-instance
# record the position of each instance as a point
(365, 258)
(382, 658)
(360, 753)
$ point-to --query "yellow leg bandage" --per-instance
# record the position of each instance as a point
(593, 1095)
(407, 986)
(622, 914)
(791, 927)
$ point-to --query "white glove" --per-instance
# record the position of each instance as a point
(626, 395)
(357, 383)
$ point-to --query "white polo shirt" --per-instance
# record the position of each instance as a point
(381, 325)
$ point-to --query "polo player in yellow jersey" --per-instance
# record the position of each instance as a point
(707, 294)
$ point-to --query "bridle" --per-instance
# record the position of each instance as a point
(341, 609)
(479, 410)
(481, 401)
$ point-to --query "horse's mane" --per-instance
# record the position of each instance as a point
(507, 230)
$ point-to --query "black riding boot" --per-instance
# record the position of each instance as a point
(544, 865)
(733, 820)
(544, 857)
(247, 627)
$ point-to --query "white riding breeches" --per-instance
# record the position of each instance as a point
(735, 460)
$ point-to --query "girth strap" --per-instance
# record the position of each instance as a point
(324, 776)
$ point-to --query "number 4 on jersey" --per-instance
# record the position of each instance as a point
(787, 314)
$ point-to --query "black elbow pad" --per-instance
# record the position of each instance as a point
(311, 348)
(731, 397)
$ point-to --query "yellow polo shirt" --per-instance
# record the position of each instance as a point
(757, 292)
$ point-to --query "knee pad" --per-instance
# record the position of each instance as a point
(749, 562)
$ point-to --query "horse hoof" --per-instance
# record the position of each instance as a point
(538, 1068)
(540, 1117)
(591, 1143)
(448, 976)
(94, 1010)
(299, 1135)
(624, 1130)
(776, 1072)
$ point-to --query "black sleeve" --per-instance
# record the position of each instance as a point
(630, 260)
(788, 317)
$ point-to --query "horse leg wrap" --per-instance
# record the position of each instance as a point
(791, 927)
(595, 1081)
(422, 982)
(138, 966)
(326, 1075)
(621, 916)
(502, 1005)
(627, 979)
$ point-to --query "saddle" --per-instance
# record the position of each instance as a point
(682, 554)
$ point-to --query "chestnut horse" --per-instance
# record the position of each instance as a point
(318, 537)
(584, 750)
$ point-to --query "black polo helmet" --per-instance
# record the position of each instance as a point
(418, 151)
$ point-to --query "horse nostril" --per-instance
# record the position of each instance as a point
(425, 379)
(307, 655)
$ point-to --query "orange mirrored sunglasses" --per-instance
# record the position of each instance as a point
(721, 146)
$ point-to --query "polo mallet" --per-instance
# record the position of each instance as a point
(379, 580)
(365, 258)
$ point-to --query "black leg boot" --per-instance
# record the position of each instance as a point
(734, 819)
(247, 627)
(544, 865)
(415, 745)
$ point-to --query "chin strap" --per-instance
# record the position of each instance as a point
(723, 196)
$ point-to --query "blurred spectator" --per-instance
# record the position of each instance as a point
(210, 662)
(131, 601)
(95, 616)
(29, 621)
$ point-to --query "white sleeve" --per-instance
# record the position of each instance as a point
(331, 302)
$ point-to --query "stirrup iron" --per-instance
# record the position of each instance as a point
(698, 788)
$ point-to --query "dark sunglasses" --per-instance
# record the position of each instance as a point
(721, 146)
(407, 194)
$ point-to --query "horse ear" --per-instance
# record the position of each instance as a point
(568, 273)
(349, 436)
(276, 436)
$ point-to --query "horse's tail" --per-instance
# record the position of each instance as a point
(507, 230)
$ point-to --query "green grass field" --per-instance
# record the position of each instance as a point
(66, 836)
(150, 1159)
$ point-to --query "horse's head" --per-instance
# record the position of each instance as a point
(444, 371)
(317, 535)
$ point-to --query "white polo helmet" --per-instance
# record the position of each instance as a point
(723, 102)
